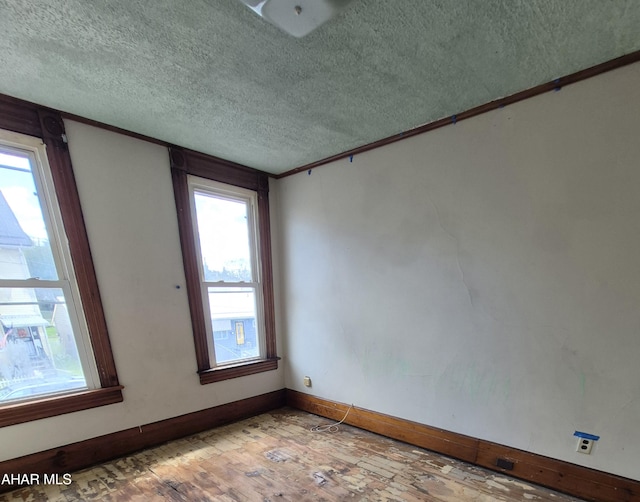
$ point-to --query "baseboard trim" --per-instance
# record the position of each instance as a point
(80, 455)
(588, 484)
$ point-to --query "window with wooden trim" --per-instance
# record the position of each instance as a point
(223, 215)
(55, 355)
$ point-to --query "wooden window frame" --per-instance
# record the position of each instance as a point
(36, 121)
(183, 164)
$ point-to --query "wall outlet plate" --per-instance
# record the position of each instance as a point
(584, 445)
(307, 381)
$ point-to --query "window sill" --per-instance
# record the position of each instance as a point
(229, 372)
(46, 407)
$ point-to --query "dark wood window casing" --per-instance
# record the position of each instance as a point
(33, 120)
(183, 164)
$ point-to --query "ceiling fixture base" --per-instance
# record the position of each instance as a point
(296, 17)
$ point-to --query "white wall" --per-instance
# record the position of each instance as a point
(483, 278)
(127, 200)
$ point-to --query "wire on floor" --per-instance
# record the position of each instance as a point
(331, 427)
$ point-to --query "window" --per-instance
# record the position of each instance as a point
(224, 227)
(55, 354)
(223, 214)
(43, 342)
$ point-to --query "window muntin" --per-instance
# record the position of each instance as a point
(44, 344)
(225, 230)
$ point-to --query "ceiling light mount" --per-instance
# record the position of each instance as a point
(296, 17)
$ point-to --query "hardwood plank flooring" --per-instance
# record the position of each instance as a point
(275, 457)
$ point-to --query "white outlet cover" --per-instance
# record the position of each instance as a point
(584, 445)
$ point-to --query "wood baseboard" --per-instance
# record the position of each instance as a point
(565, 477)
(73, 457)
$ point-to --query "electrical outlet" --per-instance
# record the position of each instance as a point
(307, 381)
(584, 445)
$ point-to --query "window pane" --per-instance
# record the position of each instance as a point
(38, 353)
(24, 243)
(233, 318)
(223, 230)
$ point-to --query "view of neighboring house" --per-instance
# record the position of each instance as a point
(24, 347)
(234, 325)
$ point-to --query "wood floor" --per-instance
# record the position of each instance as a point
(275, 457)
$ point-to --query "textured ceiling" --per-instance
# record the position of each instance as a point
(212, 76)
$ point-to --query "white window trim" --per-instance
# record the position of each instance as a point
(35, 149)
(250, 198)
